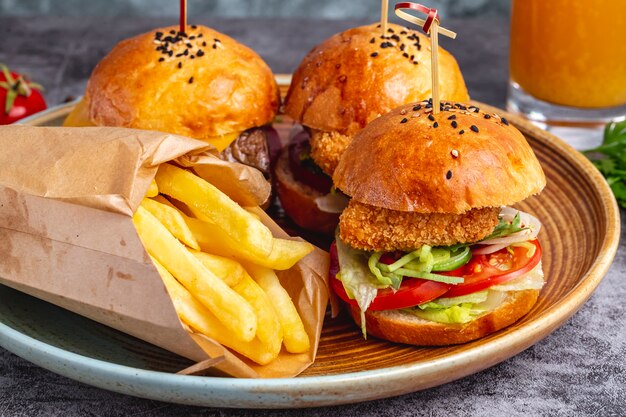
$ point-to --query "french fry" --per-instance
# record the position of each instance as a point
(153, 191)
(212, 239)
(295, 337)
(285, 253)
(196, 316)
(229, 307)
(215, 207)
(228, 270)
(269, 330)
(172, 220)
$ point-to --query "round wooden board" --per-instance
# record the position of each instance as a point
(580, 235)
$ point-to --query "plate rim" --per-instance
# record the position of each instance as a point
(305, 391)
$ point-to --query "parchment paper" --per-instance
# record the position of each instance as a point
(67, 196)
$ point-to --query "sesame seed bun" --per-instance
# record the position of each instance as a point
(459, 159)
(348, 80)
(217, 86)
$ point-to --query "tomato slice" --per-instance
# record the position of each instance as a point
(412, 291)
(483, 271)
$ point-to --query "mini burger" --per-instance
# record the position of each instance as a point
(201, 84)
(429, 251)
(341, 85)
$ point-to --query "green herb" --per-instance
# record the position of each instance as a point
(505, 228)
(610, 159)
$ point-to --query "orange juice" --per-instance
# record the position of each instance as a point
(570, 52)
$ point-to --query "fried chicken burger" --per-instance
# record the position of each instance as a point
(341, 85)
(201, 84)
(429, 251)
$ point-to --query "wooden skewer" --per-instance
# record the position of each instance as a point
(384, 10)
(183, 15)
(434, 63)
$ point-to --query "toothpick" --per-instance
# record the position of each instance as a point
(384, 10)
(183, 16)
(429, 26)
(434, 63)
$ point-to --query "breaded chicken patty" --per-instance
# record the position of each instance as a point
(378, 229)
(327, 148)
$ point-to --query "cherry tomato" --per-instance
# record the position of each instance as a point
(18, 97)
(483, 271)
(413, 291)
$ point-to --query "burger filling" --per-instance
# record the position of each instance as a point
(444, 283)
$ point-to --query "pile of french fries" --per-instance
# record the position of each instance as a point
(217, 260)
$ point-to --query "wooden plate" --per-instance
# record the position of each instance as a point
(579, 238)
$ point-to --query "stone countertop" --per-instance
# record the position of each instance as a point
(580, 369)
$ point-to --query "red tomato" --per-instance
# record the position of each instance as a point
(413, 291)
(483, 271)
(27, 99)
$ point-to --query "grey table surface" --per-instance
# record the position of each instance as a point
(580, 369)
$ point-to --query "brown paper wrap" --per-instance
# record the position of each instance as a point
(67, 196)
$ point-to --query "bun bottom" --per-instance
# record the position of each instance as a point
(397, 326)
(298, 200)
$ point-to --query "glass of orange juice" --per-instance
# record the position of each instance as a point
(568, 66)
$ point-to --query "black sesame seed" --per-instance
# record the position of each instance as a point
(200, 53)
(194, 27)
(395, 37)
(179, 55)
(461, 131)
(412, 57)
(172, 32)
(180, 65)
(474, 128)
(487, 116)
(448, 175)
(414, 62)
(402, 46)
(476, 110)
(170, 53)
(192, 38)
(190, 80)
(374, 54)
(203, 43)
(214, 46)
(431, 117)
(403, 32)
(504, 121)
(373, 40)
(186, 52)
(161, 59)
(418, 107)
(454, 124)
(390, 30)
(405, 55)
(435, 125)
(200, 35)
(158, 35)
(404, 120)
(429, 105)
(452, 117)
(192, 57)
(419, 47)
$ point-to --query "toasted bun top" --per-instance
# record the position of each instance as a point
(340, 86)
(463, 158)
(217, 86)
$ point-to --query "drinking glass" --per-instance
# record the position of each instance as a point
(568, 66)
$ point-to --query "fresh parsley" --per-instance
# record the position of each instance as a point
(610, 159)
